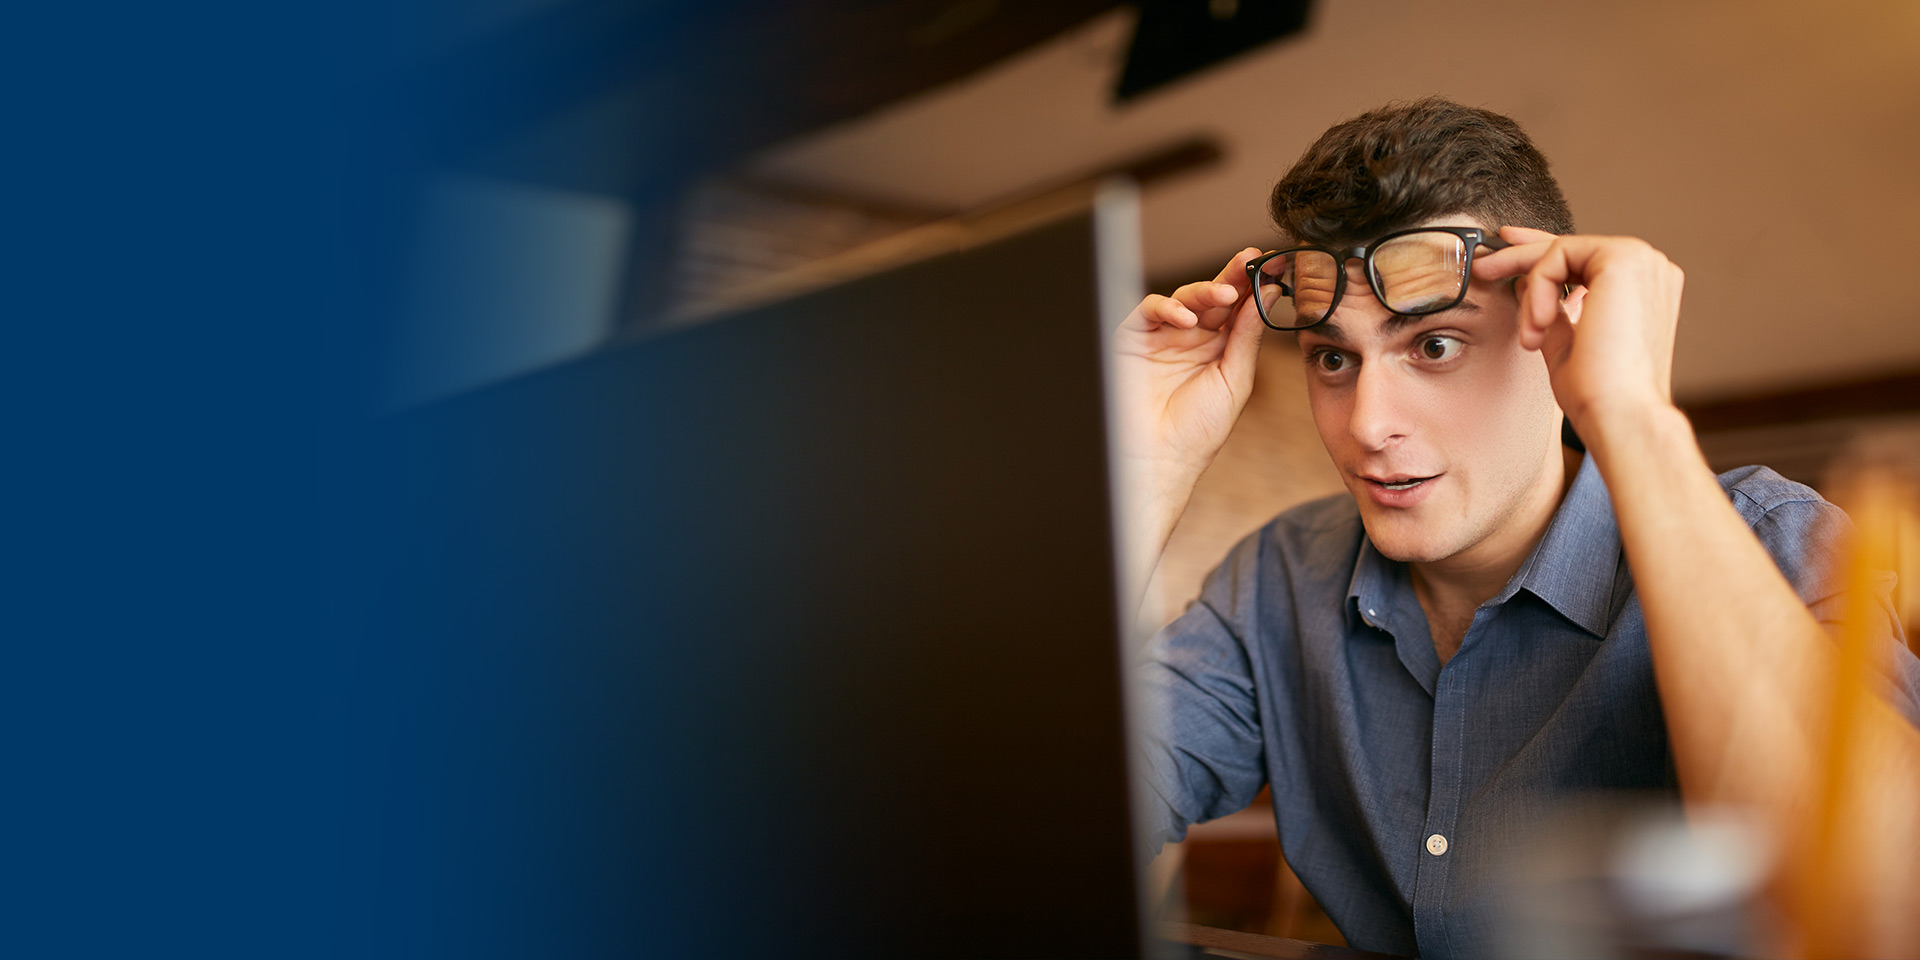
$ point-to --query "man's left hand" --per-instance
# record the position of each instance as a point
(1609, 343)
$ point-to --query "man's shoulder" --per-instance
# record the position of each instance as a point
(1758, 490)
(1317, 529)
(1309, 547)
(1797, 525)
(1314, 518)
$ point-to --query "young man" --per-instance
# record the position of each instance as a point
(1494, 618)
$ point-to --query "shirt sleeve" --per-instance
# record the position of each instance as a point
(1199, 749)
(1807, 536)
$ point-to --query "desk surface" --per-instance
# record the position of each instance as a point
(1254, 944)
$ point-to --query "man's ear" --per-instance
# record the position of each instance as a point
(1570, 304)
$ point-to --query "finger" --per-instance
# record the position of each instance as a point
(1511, 262)
(1235, 272)
(1529, 332)
(1534, 322)
(1525, 244)
(1514, 234)
(1533, 328)
(1207, 294)
(1554, 336)
(1572, 303)
(1169, 311)
(1556, 342)
(1211, 300)
(1156, 311)
(1563, 261)
(1571, 259)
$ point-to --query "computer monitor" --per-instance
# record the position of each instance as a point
(794, 632)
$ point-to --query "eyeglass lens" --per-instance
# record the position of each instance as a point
(1419, 273)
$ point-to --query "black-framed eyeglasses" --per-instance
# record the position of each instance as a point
(1412, 272)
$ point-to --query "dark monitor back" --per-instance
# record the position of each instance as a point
(791, 633)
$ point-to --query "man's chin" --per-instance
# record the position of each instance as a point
(1409, 554)
(1401, 538)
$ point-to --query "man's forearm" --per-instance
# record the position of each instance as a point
(1746, 678)
(1153, 495)
(1740, 662)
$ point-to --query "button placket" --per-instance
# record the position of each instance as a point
(1443, 797)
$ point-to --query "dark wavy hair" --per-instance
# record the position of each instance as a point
(1406, 163)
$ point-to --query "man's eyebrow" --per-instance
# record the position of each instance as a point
(1397, 322)
(1327, 329)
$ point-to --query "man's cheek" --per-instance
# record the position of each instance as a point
(1329, 420)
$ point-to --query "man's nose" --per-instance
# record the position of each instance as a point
(1377, 420)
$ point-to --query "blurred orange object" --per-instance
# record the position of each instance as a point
(1834, 908)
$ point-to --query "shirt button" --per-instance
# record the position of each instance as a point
(1371, 613)
(1436, 844)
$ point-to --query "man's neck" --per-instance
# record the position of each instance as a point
(1450, 590)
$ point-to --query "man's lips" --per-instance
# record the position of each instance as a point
(1398, 490)
(1398, 481)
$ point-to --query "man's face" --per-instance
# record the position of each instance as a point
(1442, 426)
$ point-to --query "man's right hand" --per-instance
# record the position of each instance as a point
(1183, 369)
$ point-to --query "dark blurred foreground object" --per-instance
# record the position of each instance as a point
(793, 633)
(1175, 38)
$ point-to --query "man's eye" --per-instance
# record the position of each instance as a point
(1439, 348)
(1332, 361)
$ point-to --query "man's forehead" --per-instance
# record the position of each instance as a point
(1460, 219)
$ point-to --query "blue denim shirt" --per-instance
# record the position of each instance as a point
(1307, 664)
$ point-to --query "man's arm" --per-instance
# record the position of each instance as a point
(1183, 369)
(1745, 672)
(1201, 753)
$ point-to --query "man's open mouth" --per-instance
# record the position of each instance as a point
(1400, 483)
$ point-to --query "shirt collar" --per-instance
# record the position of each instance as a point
(1572, 568)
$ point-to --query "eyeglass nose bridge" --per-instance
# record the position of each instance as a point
(1361, 253)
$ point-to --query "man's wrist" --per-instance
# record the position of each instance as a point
(1160, 489)
(1153, 494)
(1604, 429)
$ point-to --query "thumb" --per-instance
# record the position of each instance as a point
(1573, 302)
(1240, 358)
